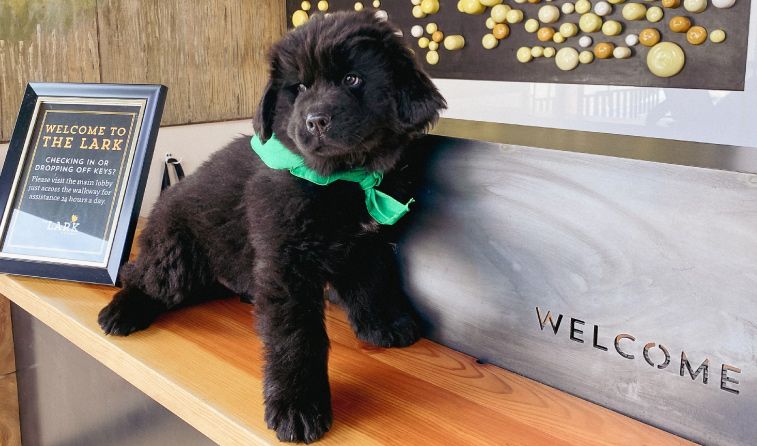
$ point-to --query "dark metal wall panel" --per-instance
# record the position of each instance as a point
(67, 398)
(661, 257)
(708, 66)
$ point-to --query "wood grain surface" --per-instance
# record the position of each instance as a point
(204, 364)
(7, 360)
(54, 42)
(211, 55)
(10, 434)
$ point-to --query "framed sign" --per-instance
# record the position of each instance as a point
(72, 184)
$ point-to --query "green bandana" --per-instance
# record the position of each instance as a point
(385, 209)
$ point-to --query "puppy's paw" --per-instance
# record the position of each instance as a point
(401, 332)
(130, 310)
(302, 421)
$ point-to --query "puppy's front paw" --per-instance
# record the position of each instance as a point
(401, 332)
(301, 421)
(129, 311)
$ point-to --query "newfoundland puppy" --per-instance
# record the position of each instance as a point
(302, 204)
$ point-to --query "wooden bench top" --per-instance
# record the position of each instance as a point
(204, 364)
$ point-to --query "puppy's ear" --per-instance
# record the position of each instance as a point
(263, 120)
(418, 100)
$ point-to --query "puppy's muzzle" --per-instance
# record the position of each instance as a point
(318, 123)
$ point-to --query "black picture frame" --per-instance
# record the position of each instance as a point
(81, 151)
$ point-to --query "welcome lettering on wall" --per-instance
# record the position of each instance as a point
(623, 345)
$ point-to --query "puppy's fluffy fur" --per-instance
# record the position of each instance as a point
(238, 227)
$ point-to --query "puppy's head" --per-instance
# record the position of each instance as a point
(344, 92)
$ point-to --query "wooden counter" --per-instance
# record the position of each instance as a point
(203, 363)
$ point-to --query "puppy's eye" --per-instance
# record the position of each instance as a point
(352, 81)
(302, 88)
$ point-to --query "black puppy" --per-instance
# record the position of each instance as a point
(276, 222)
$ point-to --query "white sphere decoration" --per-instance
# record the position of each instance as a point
(695, 6)
(549, 14)
(567, 58)
(585, 42)
(568, 8)
(621, 52)
(632, 39)
(723, 3)
(602, 9)
(415, 2)
(416, 31)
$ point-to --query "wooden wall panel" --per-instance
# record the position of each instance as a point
(10, 431)
(7, 362)
(9, 422)
(211, 55)
(44, 42)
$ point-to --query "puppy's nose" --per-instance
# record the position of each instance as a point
(318, 123)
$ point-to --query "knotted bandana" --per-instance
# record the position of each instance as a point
(385, 209)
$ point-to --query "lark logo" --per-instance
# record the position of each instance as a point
(624, 345)
(66, 226)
